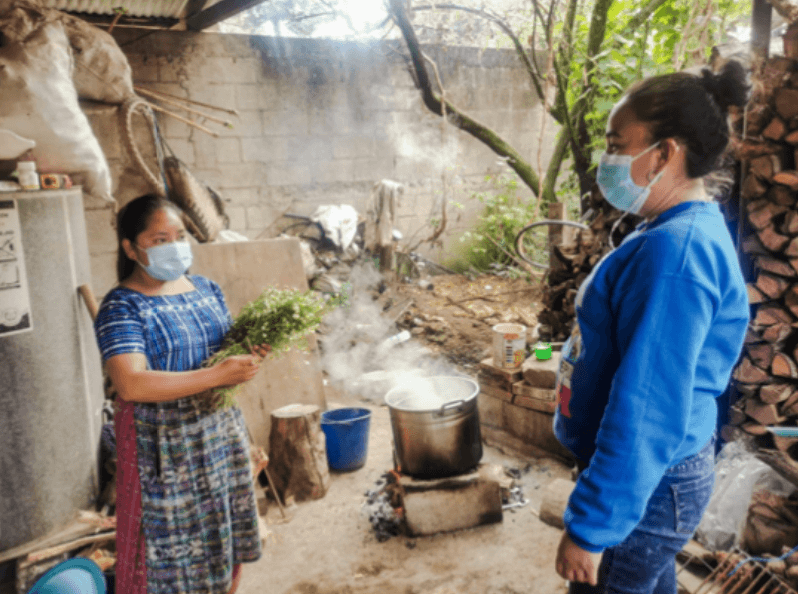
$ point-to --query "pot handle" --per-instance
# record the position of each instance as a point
(451, 404)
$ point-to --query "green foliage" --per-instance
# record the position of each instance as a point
(504, 214)
(280, 318)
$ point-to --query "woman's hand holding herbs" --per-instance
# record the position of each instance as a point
(238, 369)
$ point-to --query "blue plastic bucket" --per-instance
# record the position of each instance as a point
(347, 431)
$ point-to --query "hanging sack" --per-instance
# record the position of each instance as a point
(201, 203)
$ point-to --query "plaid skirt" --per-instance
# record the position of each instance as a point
(198, 515)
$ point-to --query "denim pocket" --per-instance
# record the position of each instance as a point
(690, 500)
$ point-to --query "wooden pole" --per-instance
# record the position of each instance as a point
(761, 18)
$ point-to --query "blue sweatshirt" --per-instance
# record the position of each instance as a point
(660, 325)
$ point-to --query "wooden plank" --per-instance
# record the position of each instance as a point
(524, 389)
(510, 376)
(496, 392)
(243, 270)
(534, 404)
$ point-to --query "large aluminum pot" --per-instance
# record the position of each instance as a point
(435, 425)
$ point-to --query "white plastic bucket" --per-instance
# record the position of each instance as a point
(509, 345)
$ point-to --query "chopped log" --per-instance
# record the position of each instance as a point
(792, 137)
(792, 400)
(775, 266)
(775, 393)
(791, 300)
(753, 428)
(776, 242)
(752, 337)
(297, 453)
(784, 444)
(783, 366)
(759, 116)
(753, 247)
(771, 314)
(761, 354)
(765, 167)
(736, 416)
(789, 411)
(753, 188)
(754, 295)
(777, 333)
(750, 150)
(782, 195)
(775, 130)
(786, 102)
(746, 390)
(748, 373)
(787, 178)
(790, 224)
(763, 217)
(772, 286)
(766, 414)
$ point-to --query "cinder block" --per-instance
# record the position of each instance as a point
(205, 148)
(445, 505)
(237, 216)
(373, 170)
(509, 376)
(541, 374)
(100, 232)
(524, 389)
(264, 150)
(496, 392)
(145, 68)
(247, 124)
(491, 410)
(183, 149)
(532, 426)
(351, 147)
(340, 170)
(289, 174)
(228, 150)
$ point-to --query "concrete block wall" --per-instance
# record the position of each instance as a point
(319, 122)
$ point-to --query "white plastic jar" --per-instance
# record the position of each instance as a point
(27, 175)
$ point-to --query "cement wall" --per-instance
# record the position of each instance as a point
(319, 122)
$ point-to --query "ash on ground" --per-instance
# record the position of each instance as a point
(383, 518)
(513, 497)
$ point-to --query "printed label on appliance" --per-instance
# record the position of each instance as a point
(15, 309)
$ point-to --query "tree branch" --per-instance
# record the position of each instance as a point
(642, 15)
(455, 116)
(530, 65)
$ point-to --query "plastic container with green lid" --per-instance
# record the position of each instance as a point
(543, 351)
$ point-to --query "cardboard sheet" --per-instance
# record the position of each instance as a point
(243, 270)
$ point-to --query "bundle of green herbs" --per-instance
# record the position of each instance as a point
(280, 318)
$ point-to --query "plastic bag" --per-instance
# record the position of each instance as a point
(738, 474)
(39, 102)
(339, 223)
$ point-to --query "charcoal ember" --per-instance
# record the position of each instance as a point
(384, 520)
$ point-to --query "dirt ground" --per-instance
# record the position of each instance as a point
(454, 314)
(328, 546)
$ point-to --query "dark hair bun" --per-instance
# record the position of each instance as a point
(727, 87)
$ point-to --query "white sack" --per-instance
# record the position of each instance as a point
(39, 101)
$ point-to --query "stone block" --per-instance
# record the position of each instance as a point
(264, 150)
(445, 505)
(247, 124)
(372, 170)
(218, 94)
(258, 96)
(100, 232)
(289, 174)
(351, 147)
(508, 376)
(309, 149)
(555, 500)
(532, 426)
(286, 123)
(524, 389)
(491, 411)
(228, 150)
(242, 196)
(205, 148)
(237, 216)
(183, 149)
(145, 68)
(170, 69)
(541, 374)
(340, 170)
(495, 392)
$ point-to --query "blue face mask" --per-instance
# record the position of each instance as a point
(614, 179)
(168, 261)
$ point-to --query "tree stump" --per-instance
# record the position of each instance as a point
(298, 453)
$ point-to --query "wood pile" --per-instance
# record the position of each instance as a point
(767, 376)
(572, 260)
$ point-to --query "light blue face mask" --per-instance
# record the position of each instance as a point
(169, 261)
(614, 179)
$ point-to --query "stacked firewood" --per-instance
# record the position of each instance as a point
(767, 377)
(572, 260)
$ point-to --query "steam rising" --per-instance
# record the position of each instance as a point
(357, 358)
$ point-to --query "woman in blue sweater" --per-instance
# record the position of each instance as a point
(660, 325)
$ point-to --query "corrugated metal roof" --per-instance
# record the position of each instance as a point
(137, 8)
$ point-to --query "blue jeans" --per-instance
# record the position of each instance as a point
(645, 563)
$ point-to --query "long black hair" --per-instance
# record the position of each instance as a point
(132, 219)
(693, 109)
